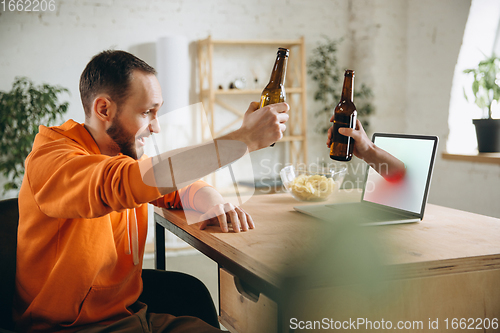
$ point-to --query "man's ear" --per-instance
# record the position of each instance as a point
(104, 108)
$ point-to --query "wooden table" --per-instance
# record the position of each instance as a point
(295, 266)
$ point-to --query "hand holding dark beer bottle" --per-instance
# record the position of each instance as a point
(347, 137)
(345, 114)
(274, 92)
(388, 166)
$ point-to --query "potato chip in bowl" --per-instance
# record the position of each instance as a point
(312, 184)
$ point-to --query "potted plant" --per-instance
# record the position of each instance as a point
(486, 90)
(22, 110)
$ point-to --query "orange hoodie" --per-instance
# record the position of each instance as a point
(82, 230)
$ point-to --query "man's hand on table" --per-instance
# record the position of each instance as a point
(218, 212)
(223, 214)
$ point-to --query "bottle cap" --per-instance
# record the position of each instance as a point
(349, 72)
(283, 51)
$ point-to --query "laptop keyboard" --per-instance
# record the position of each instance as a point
(363, 214)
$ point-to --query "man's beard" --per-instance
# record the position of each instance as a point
(124, 140)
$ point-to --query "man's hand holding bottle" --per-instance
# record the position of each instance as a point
(261, 126)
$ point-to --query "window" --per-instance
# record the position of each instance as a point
(481, 39)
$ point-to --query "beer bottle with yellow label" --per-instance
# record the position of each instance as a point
(274, 92)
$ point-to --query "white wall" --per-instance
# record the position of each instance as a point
(379, 56)
(435, 30)
(409, 50)
(55, 47)
(405, 50)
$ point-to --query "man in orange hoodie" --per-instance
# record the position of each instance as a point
(83, 212)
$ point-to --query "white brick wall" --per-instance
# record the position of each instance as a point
(435, 30)
(404, 49)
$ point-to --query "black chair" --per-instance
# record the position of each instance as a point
(9, 212)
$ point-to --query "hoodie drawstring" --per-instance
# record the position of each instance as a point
(133, 237)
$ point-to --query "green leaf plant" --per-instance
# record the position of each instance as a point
(22, 110)
(485, 86)
(323, 69)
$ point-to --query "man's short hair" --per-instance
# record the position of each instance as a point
(109, 72)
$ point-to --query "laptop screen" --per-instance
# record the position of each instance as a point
(410, 193)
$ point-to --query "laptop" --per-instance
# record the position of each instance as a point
(383, 202)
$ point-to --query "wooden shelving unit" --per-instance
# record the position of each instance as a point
(295, 86)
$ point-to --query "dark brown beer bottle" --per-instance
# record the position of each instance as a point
(274, 92)
(345, 114)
